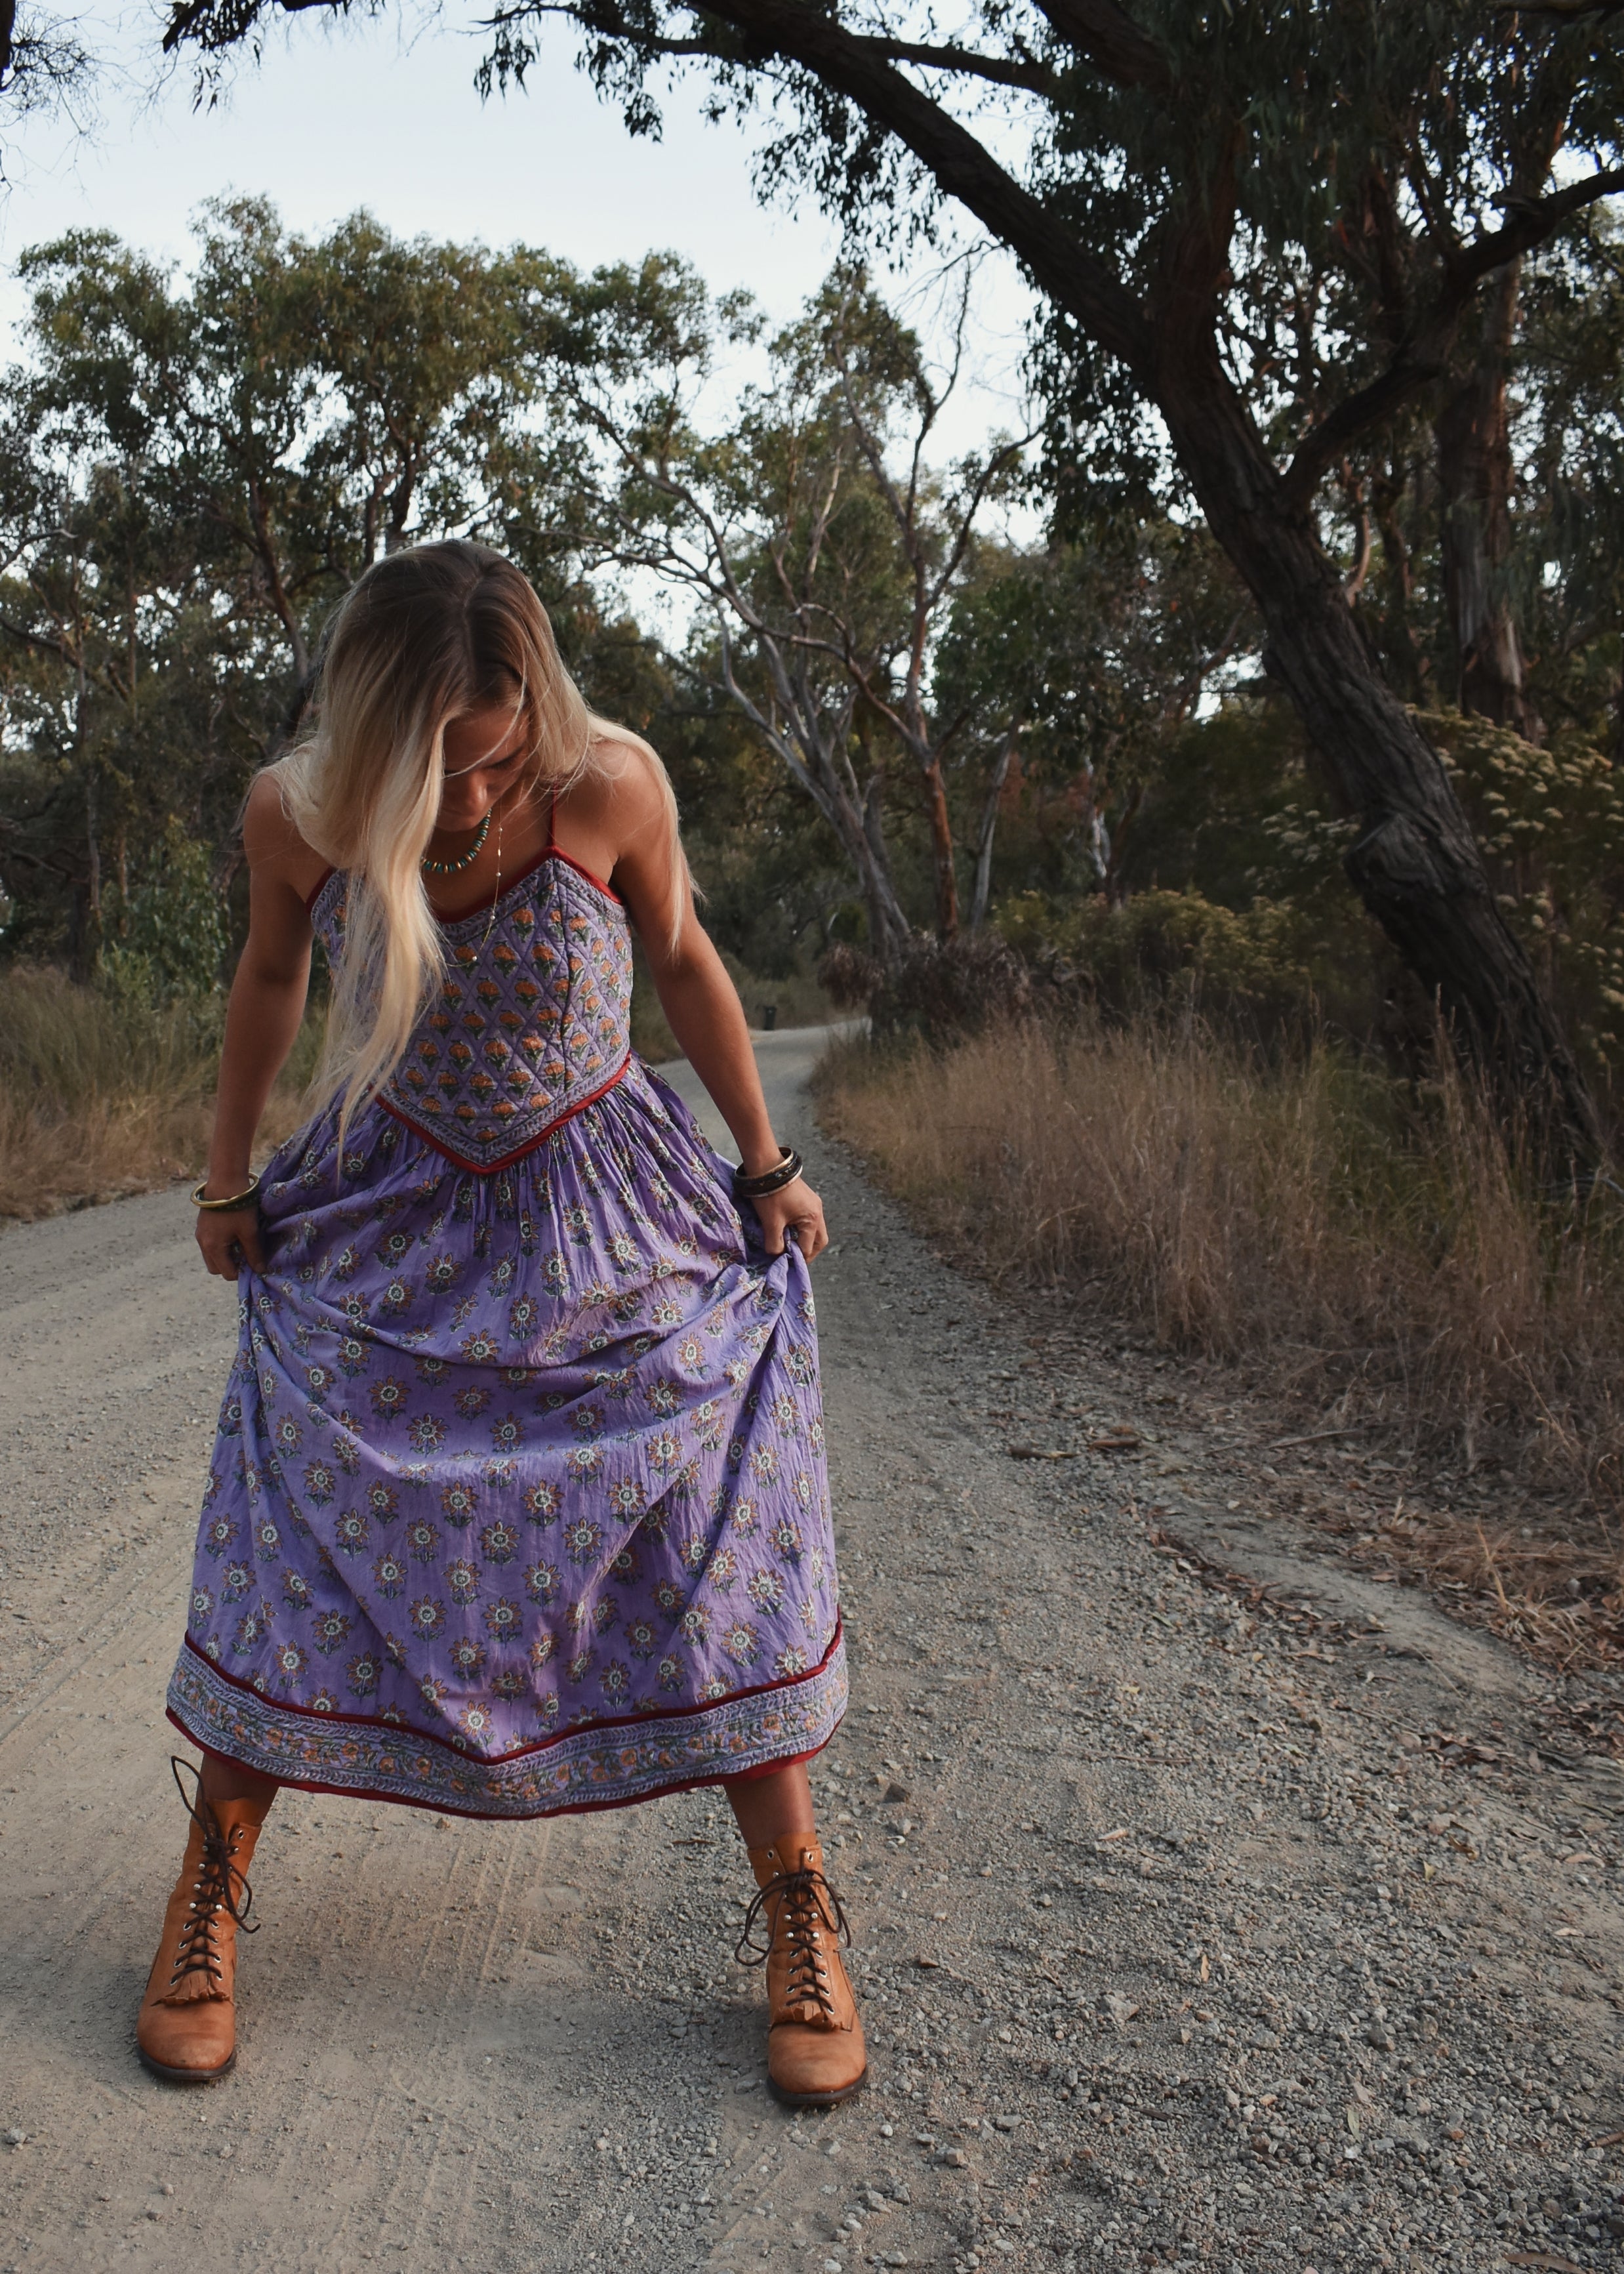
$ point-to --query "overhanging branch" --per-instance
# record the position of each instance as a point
(1421, 355)
(1107, 37)
(963, 167)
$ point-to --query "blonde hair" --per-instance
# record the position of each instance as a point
(426, 636)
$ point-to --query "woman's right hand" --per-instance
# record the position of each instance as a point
(229, 1238)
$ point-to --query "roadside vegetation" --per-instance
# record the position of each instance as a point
(1369, 1251)
(105, 1091)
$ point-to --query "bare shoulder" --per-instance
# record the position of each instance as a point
(629, 779)
(618, 807)
(272, 845)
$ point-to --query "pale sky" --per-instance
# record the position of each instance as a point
(343, 115)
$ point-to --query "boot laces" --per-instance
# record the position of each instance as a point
(801, 1905)
(218, 1887)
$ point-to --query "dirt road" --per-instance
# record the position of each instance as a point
(1188, 1933)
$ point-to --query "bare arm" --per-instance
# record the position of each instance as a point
(699, 1000)
(262, 1018)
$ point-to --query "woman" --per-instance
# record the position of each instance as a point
(518, 1501)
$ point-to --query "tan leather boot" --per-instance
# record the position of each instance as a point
(186, 2030)
(815, 2054)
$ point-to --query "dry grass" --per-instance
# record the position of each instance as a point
(1377, 1253)
(100, 1098)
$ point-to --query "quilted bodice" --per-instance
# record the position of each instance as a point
(533, 1019)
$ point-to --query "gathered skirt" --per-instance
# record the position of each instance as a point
(518, 1502)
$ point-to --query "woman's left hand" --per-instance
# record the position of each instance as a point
(794, 1212)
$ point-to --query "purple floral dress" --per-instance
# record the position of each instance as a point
(518, 1502)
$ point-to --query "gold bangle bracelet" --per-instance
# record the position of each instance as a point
(236, 1200)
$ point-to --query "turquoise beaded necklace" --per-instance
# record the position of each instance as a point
(463, 860)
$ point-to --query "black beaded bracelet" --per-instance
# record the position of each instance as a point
(770, 1180)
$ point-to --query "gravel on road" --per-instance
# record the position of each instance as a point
(1212, 1905)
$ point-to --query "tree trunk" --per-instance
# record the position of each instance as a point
(942, 851)
(1408, 661)
(889, 929)
(1476, 475)
(1415, 865)
(989, 822)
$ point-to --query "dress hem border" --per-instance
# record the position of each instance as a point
(749, 1733)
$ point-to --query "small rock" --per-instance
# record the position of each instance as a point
(895, 1791)
(955, 2158)
(1006, 2123)
(16, 2137)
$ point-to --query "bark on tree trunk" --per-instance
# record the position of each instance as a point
(988, 830)
(1415, 865)
(942, 852)
(1476, 474)
(889, 930)
(1408, 661)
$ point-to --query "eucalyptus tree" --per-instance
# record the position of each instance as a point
(192, 472)
(1570, 374)
(825, 548)
(1151, 166)
(1078, 662)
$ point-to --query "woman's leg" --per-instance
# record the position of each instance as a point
(814, 2041)
(224, 1782)
(769, 1809)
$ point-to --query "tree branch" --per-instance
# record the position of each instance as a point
(1107, 37)
(1420, 356)
(1002, 70)
(963, 167)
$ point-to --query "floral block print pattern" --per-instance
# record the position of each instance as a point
(532, 1019)
(519, 1499)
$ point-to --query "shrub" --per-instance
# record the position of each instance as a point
(1550, 823)
(170, 938)
(1164, 950)
(938, 989)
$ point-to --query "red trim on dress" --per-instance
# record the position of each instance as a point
(559, 854)
(492, 1816)
(490, 1168)
(549, 852)
(401, 1734)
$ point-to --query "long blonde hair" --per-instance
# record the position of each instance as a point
(426, 635)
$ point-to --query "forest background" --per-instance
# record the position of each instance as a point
(996, 745)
